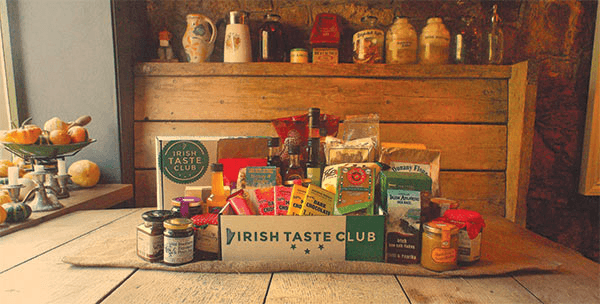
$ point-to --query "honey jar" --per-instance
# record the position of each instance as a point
(439, 246)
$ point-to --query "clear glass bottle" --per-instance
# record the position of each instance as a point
(494, 40)
(401, 42)
(434, 43)
(271, 40)
(466, 42)
(218, 196)
(368, 42)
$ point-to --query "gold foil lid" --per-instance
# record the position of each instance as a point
(178, 224)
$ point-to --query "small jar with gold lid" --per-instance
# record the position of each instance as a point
(178, 241)
(439, 246)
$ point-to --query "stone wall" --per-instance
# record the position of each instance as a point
(555, 35)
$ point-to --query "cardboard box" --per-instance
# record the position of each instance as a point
(302, 238)
(185, 161)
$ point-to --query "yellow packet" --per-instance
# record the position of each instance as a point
(317, 201)
(296, 200)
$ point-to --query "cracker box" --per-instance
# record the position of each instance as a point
(184, 161)
(406, 198)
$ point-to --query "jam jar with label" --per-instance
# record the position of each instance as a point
(194, 206)
(178, 241)
(368, 42)
(271, 40)
(149, 245)
(439, 246)
(470, 224)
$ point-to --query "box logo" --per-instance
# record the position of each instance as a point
(184, 162)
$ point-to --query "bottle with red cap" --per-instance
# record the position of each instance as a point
(470, 224)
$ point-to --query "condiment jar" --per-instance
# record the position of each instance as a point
(368, 42)
(271, 40)
(465, 46)
(401, 42)
(439, 246)
(149, 244)
(440, 205)
(194, 206)
(471, 226)
(178, 241)
(434, 43)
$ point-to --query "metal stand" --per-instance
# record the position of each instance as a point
(45, 197)
(63, 180)
(13, 192)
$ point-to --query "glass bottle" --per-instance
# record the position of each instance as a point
(494, 40)
(434, 43)
(313, 166)
(274, 159)
(271, 41)
(368, 42)
(218, 196)
(294, 169)
(466, 42)
(401, 42)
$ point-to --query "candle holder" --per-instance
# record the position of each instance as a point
(45, 197)
(13, 191)
(63, 180)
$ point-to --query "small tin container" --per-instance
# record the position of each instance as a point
(470, 224)
(439, 246)
(149, 244)
(299, 55)
(194, 206)
(178, 241)
(440, 205)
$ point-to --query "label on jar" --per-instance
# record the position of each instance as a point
(179, 250)
(368, 46)
(149, 246)
(402, 51)
(468, 250)
(443, 255)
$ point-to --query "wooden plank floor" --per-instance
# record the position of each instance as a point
(32, 271)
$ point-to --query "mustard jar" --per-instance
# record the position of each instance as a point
(439, 246)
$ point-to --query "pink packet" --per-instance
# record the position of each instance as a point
(282, 199)
(265, 198)
(239, 204)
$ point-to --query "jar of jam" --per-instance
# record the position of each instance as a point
(194, 206)
(178, 241)
(149, 244)
(271, 40)
(368, 42)
(439, 246)
(470, 225)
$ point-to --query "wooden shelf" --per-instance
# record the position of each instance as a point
(346, 70)
(101, 196)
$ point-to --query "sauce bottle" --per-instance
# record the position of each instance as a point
(294, 170)
(401, 42)
(271, 41)
(218, 196)
(494, 40)
(466, 42)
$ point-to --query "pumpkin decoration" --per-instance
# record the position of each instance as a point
(25, 135)
(2, 215)
(4, 197)
(55, 123)
(16, 212)
(4, 164)
(78, 134)
(84, 173)
(59, 137)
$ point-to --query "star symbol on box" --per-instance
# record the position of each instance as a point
(293, 246)
(321, 246)
(307, 251)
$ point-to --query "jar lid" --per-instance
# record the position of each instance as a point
(437, 227)
(272, 16)
(216, 167)
(443, 201)
(471, 220)
(205, 219)
(156, 216)
(192, 200)
(434, 20)
(178, 224)
(299, 50)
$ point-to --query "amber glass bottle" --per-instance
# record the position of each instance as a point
(271, 40)
(294, 169)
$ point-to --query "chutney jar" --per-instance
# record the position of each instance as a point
(178, 241)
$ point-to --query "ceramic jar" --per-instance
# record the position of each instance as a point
(199, 38)
(434, 43)
(237, 46)
(401, 42)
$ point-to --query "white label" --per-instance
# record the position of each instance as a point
(149, 246)
(179, 250)
(411, 168)
(468, 250)
(265, 45)
(368, 45)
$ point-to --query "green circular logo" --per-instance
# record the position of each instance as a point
(184, 161)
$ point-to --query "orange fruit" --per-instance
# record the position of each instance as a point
(84, 173)
(78, 134)
(59, 137)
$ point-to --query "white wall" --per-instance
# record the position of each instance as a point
(64, 66)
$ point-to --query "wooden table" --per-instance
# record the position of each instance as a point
(32, 271)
